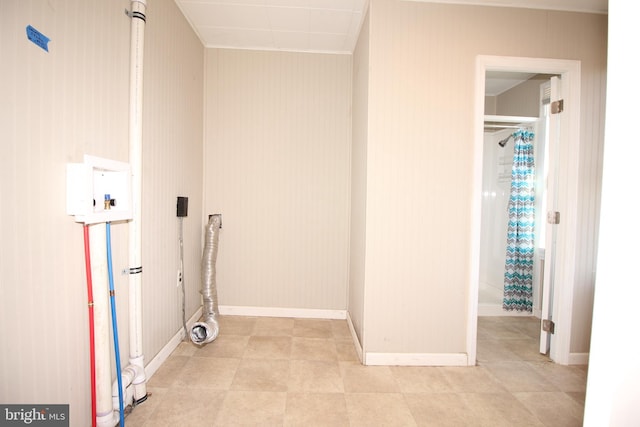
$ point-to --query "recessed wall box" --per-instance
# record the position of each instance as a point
(99, 190)
(182, 206)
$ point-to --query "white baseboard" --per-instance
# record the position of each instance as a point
(354, 337)
(578, 358)
(306, 313)
(416, 359)
(173, 343)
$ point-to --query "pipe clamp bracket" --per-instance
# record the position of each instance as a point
(132, 270)
(136, 14)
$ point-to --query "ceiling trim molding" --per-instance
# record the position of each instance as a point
(582, 6)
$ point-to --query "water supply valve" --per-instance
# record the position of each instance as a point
(108, 202)
(93, 187)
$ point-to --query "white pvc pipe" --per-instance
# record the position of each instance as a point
(105, 415)
(136, 357)
(134, 378)
(129, 376)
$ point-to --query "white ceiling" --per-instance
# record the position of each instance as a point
(330, 26)
(497, 82)
(292, 25)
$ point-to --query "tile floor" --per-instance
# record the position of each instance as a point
(305, 372)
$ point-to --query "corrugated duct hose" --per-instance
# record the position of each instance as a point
(207, 330)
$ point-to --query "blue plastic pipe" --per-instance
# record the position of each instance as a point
(114, 321)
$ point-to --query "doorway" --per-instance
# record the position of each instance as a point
(512, 225)
(563, 273)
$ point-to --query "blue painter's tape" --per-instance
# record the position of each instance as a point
(38, 38)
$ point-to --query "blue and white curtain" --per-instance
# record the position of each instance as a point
(518, 275)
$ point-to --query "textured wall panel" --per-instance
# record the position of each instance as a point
(277, 167)
(359, 179)
(172, 167)
(420, 155)
(56, 107)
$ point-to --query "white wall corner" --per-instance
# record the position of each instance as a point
(356, 341)
(578, 358)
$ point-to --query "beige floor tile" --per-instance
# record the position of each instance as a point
(439, 409)
(420, 379)
(268, 347)
(204, 372)
(312, 328)
(142, 412)
(565, 378)
(251, 408)
(378, 409)
(498, 410)
(553, 409)
(346, 351)
(529, 326)
(257, 367)
(519, 376)
(492, 350)
(497, 328)
(232, 346)
(340, 330)
(313, 349)
(185, 348)
(472, 379)
(236, 325)
(273, 327)
(316, 410)
(577, 396)
(317, 376)
(526, 349)
(368, 379)
(170, 370)
(187, 407)
(261, 375)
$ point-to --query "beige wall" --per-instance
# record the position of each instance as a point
(490, 104)
(521, 100)
(420, 158)
(360, 123)
(172, 167)
(277, 160)
(56, 107)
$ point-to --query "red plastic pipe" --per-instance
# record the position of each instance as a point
(92, 345)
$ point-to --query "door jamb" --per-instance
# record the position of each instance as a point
(568, 178)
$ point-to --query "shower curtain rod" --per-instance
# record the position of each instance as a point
(506, 122)
(509, 119)
(502, 126)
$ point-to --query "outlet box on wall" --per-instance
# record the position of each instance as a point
(99, 190)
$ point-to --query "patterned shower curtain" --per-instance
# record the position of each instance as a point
(518, 275)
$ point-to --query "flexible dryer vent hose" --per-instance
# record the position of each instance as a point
(207, 330)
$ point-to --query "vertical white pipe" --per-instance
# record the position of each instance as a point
(106, 417)
(136, 357)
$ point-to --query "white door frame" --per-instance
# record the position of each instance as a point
(569, 150)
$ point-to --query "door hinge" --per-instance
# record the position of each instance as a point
(557, 106)
(553, 217)
(548, 326)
